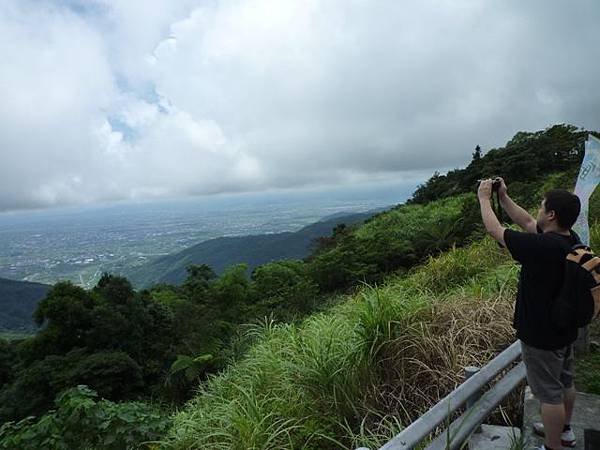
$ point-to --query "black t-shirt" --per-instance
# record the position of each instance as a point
(542, 257)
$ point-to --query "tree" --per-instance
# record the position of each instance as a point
(285, 285)
(114, 374)
(7, 361)
(231, 292)
(116, 289)
(66, 312)
(110, 335)
(198, 281)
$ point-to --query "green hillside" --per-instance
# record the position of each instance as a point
(253, 250)
(18, 300)
(356, 375)
(339, 350)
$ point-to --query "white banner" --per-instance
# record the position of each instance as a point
(589, 176)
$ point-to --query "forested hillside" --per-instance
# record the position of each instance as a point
(303, 354)
(253, 250)
(525, 160)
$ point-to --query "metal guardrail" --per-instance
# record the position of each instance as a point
(469, 392)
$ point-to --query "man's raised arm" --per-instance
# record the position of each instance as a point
(518, 215)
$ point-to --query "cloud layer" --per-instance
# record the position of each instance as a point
(111, 100)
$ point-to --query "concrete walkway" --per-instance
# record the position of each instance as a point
(585, 416)
(493, 437)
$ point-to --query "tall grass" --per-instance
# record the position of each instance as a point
(407, 221)
(458, 266)
(354, 375)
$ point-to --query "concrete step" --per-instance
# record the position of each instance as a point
(585, 416)
(493, 437)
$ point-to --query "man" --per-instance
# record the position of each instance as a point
(547, 351)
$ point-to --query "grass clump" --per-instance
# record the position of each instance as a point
(289, 390)
(587, 366)
(458, 266)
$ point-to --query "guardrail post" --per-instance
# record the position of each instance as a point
(469, 372)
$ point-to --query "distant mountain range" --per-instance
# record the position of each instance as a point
(253, 250)
(18, 300)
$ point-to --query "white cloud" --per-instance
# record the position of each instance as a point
(55, 83)
(118, 99)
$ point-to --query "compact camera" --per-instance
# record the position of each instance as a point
(496, 183)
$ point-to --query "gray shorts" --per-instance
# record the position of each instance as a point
(549, 372)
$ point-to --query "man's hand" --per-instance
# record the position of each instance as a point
(490, 221)
(502, 190)
(485, 189)
(518, 215)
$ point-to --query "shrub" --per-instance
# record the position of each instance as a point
(114, 374)
(83, 421)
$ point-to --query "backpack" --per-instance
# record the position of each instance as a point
(578, 302)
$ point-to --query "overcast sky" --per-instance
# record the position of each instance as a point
(133, 99)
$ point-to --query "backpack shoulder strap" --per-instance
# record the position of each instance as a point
(578, 253)
(591, 263)
(583, 256)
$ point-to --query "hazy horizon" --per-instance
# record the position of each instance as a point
(79, 243)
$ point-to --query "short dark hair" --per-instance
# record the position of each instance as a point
(565, 205)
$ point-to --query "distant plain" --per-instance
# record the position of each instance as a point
(79, 243)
